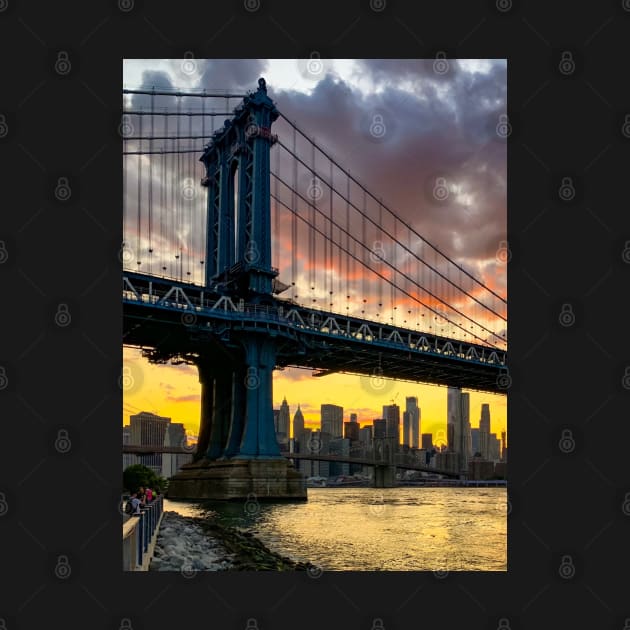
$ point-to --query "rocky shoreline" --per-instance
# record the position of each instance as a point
(190, 544)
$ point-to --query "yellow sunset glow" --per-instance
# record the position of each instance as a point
(174, 392)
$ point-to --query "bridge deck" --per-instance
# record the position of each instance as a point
(178, 319)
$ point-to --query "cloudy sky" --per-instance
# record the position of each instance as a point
(401, 127)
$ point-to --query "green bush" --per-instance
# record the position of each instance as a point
(138, 475)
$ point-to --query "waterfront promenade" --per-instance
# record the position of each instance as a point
(139, 534)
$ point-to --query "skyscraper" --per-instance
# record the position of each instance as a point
(391, 414)
(484, 431)
(474, 442)
(406, 428)
(427, 441)
(452, 410)
(458, 424)
(149, 429)
(351, 430)
(298, 428)
(465, 443)
(353, 417)
(380, 428)
(172, 462)
(412, 434)
(365, 435)
(494, 447)
(332, 420)
(484, 422)
(282, 427)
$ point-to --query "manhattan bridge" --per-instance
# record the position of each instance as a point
(249, 248)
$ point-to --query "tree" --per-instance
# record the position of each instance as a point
(138, 475)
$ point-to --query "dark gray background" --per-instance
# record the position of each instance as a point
(563, 252)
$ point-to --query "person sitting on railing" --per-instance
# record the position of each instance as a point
(149, 495)
(135, 503)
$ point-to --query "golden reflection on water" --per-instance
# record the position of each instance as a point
(367, 529)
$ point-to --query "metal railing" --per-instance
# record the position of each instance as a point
(313, 320)
(139, 534)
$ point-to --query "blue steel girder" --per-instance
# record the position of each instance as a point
(189, 314)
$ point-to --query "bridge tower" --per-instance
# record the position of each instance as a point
(237, 161)
(238, 454)
(385, 470)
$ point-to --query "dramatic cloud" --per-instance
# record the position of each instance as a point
(445, 130)
(423, 138)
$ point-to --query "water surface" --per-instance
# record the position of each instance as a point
(368, 529)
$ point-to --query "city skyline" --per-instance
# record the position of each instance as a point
(432, 401)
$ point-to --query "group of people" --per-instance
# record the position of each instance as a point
(142, 496)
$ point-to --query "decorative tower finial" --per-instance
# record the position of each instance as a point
(262, 85)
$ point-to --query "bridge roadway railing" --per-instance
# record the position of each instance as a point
(139, 535)
(297, 318)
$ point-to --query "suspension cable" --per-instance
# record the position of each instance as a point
(408, 226)
(366, 266)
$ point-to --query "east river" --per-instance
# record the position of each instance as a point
(370, 529)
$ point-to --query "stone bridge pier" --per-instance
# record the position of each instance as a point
(384, 450)
(384, 477)
(237, 451)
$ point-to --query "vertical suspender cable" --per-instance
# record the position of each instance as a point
(347, 247)
(379, 253)
(363, 266)
(162, 207)
(151, 186)
(311, 251)
(191, 200)
(171, 226)
(394, 272)
(200, 205)
(125, 208)
(163, 188)
(276, 235)
(420, 284)
(138, 227)
(294, 221)
(178, 193)
(331, 254)
(340, 286)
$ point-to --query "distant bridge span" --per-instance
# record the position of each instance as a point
(365, 461)
(342, 459)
